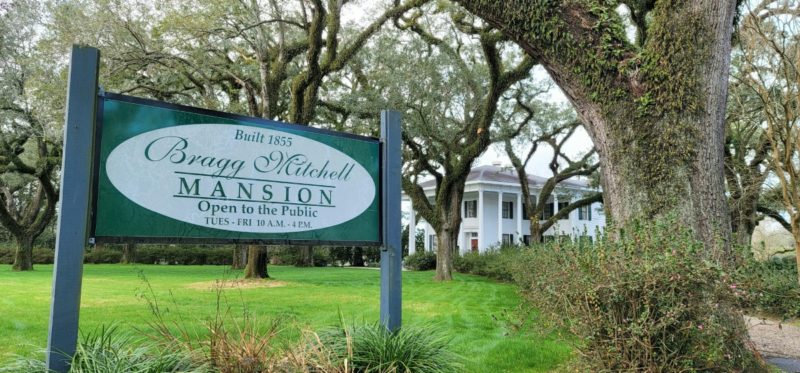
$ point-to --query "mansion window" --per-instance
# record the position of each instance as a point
(508, 239)
(508, 210)
(561, 206)
(432, 242)
(547, 212)
(585, 212)
(471, 209)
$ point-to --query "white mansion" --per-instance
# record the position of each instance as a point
(492, 210)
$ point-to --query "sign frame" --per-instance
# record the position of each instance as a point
(260, 123)
(76, 217)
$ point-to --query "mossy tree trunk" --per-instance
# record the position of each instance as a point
(23, 257)
(653, 108)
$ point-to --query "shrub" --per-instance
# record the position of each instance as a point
(646, 301)
(184, 255)
(373, 348)
(421, 261)
(102, 256)
(495, 263)
(768, 286)
(40, 255)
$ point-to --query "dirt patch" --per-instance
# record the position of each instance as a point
(773, 338)
(237, 284)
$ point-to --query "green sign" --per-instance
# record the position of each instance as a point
(169, 173)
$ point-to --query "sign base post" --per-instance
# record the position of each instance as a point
(391, 252)
(73, 213)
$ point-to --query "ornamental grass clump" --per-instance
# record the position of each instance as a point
(370, 347)
(109, 350)
(649, 300)
(229, 342)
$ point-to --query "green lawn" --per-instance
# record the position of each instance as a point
(465, 308)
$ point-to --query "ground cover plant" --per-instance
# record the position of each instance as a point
(469, 310)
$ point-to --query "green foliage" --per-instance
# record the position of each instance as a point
(187, 255)
(108, 350)
(769, 286)
(346, 255)
(370, 347)
(646, 301)
(40, 255)
(421, 261)
(102, 256)
(494, 263)
(155, 254)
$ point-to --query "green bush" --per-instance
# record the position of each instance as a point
(106, 256)
(40, 255)
(646, 301)
(184, 255)
(373, 348)
(421, 261)
(768, 286)
(495, 263)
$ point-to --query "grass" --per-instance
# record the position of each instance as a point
(470, 308)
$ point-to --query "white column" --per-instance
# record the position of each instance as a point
(461, 228)
(519, 217)
(555, 211)
(481, 219)
(412, 232)
(499, 217)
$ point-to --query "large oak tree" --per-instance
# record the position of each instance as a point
(654, 107)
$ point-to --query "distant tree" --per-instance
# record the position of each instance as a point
(770, 37)
(29, 148)
(554, 127)
(747, 153)
(449, 74)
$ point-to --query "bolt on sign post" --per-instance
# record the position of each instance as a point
(145, 171)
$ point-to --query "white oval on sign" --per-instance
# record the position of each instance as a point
(240, 178)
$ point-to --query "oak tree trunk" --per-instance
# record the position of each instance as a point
(796, 233)
(536, 230)
(447, 234)
(23, 257)
(257, 259)
(239, 256)
(744, 220)
(655, 112)
(358, 256)
(128, 253)
(305, 256)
